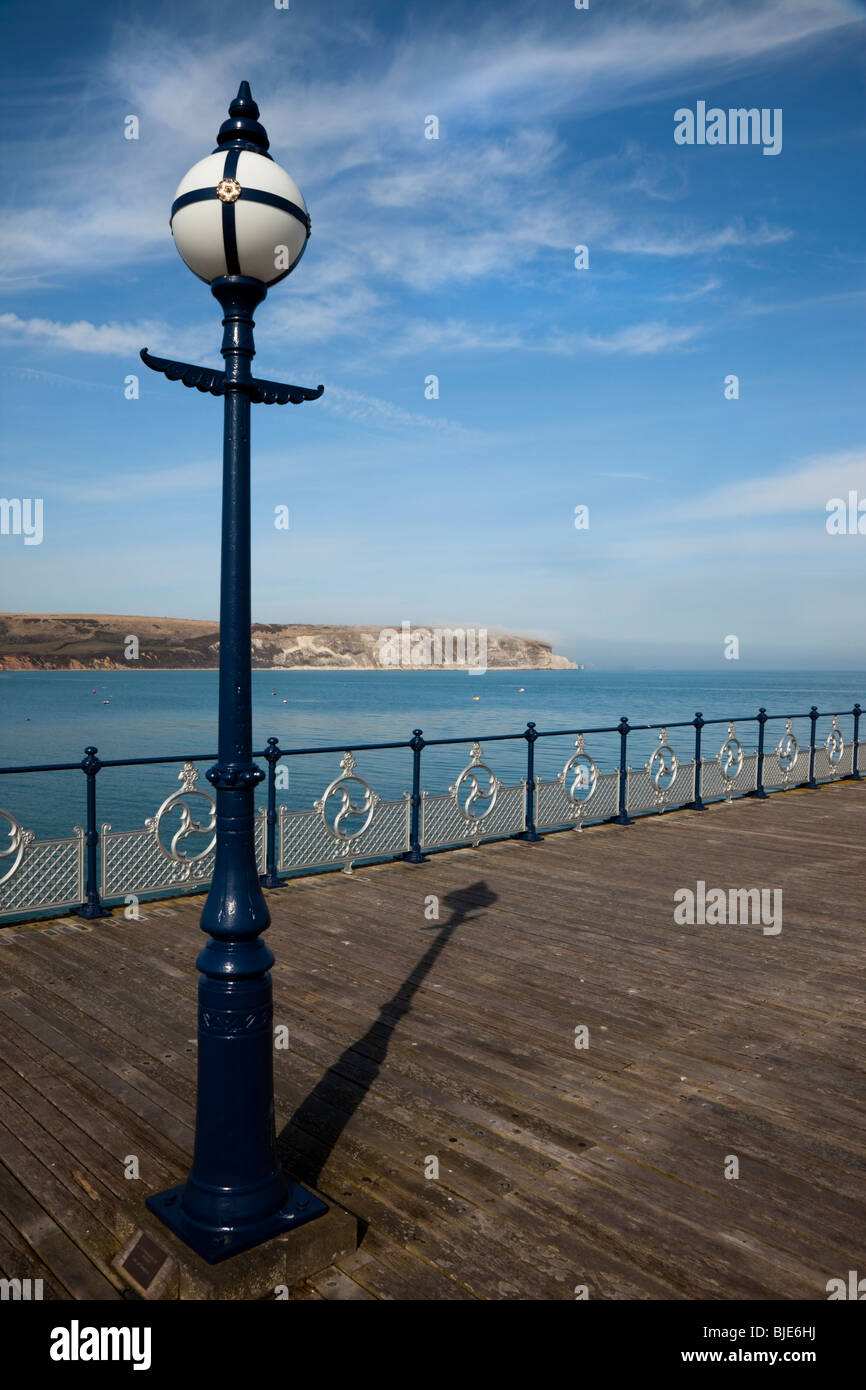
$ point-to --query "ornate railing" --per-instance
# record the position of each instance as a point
(351, 822)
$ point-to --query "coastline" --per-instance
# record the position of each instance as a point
(106, 642)
(279, 670)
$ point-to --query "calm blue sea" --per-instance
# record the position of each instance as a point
(51, 716)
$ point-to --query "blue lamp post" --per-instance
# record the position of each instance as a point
(241, 224)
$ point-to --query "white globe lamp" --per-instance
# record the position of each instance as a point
(236, 212)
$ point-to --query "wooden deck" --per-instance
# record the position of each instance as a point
(454, 1038)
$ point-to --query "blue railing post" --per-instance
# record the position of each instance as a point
(622, 729)
(92, 906)
(414, 856)
(269, 877)
(698, 721)
(855, 773)
(813, 716)
(530, 833)
(762, 717)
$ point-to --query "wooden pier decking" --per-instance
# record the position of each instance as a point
(410, 1038)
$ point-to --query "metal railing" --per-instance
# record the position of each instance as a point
(351, 823)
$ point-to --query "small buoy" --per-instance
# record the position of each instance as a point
(93, 692)
(285, 702)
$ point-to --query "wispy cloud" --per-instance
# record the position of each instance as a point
(658, 242)
(83, 336)
(36, 374)
(303, 322)
(356, 144)
(806, 488)
(708, 286)
(308, 318)
(376, 413)
(105, 339)
(643, 339)
(457, 335)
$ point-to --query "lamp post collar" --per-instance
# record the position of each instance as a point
(243, 131)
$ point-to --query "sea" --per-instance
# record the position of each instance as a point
(50, 716)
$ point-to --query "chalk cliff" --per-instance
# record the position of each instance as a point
(89, 642)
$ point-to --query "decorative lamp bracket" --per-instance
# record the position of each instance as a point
(209, 379)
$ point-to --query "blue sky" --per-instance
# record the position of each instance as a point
(455, 257)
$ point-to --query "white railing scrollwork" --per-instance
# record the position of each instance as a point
(662, 769)
(580, 792)
(164, 854)
(348, 822)
(477, 806)
(19, 839)
(190, 864)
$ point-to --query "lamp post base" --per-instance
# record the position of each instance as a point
(90, 911)
(217, 1243)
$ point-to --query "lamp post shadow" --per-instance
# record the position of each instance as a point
(326, 1111)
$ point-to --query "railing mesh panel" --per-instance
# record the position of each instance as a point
(442, 823)
(304, 841)
(825, 771)
(553, 806)
(774, 774)
(133, 861)
(641, 795)
(51, 874)
(716, 787)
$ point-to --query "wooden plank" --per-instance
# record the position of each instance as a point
(18, 1260)
(557, 1166)
(337, 1287)
(97, 1062)
(53, 1246)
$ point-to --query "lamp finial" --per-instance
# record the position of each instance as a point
(242, 130)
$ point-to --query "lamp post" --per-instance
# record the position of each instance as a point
(241, 224)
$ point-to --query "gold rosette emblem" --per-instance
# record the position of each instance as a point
(228, 190)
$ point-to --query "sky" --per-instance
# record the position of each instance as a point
(605, 387)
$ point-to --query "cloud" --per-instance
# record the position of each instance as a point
(695, 243)
(376, 413)
(620, 60)
(642, 339)
(309, 318)
(421, 213)
(106, 339)
(848, 297)
(804, 489)
(708, 286)
(35, 374)
(457, 335)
